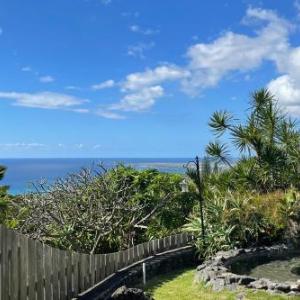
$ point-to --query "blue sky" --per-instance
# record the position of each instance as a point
(137, 78)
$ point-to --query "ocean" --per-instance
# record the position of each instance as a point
(22, 172)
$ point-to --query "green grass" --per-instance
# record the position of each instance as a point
(181, 286)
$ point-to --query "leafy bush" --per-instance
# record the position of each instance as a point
(104, 210)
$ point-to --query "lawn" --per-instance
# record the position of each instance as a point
(180, 286)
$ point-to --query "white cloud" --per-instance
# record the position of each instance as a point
(211, 62)
(104, 85)
(139, 49)
(47, 100)
(144, 31)
(97, 146)
(46, 79)
(287, 91)
(140, 100)
(106, 113)
(150, 77)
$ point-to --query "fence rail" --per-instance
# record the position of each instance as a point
(31, 270)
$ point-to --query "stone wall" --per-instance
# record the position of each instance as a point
(217, 272)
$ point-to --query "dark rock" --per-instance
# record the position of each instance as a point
(283, 287)
(245, 280)
(124, 293)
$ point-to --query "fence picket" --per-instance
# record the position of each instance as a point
(55, 273)
(39, 270)
(48, 272)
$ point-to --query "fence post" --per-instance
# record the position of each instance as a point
(144, 273)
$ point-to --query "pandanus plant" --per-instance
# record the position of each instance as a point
(269, 143)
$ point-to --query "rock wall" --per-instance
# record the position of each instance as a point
(217, 272)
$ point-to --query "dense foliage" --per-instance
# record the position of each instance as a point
(104, 210)
(254, 200)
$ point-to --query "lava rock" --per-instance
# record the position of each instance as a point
(124, 293)
(245, 280)
(284, 287)
(215, 272)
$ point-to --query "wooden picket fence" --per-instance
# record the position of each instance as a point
(31, 270)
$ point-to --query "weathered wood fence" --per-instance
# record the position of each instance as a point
(31, 270)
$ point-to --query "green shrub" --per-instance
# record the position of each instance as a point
(245, 219)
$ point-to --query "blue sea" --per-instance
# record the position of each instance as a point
(22, 172)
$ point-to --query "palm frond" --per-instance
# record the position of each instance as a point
(218, 151)
(220, 121)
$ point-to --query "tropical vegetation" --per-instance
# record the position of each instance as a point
(254, 200)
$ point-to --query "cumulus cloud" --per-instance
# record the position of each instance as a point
(140, 100)
(287, 91)
(142, 89)
(104, 85)
(46, 79)
(149, 77)
(46, 100)
(231, 52)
